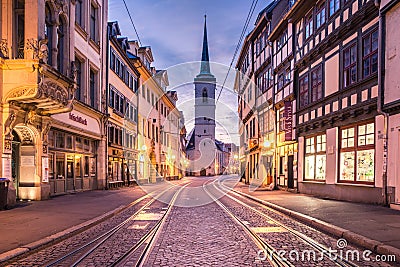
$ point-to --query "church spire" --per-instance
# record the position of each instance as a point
(205, 64)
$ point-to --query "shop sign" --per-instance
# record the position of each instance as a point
(288, 116)
(77, 118)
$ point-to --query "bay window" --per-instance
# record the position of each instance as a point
(357, 154)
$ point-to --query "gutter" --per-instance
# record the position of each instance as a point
(384, 136)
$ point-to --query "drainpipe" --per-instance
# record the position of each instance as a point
(381, 54)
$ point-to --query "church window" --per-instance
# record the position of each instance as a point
(205, 95)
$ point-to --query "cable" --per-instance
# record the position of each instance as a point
(133, 24)
(246, 24)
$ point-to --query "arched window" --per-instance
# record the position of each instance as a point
(19, 28)
(48, 30)
(205, 95)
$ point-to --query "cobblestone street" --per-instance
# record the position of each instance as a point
(198, 222)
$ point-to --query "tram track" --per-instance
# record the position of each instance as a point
(327, 253)
(72, 250)
(273, 257)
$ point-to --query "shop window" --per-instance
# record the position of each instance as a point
(281, 161)
(78, 171)
(68, 142)
(357, 154)
(315, 158)
(78, 143)
(86, 144)
(50, 139)
(60, 140)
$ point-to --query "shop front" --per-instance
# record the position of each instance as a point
(74, 153)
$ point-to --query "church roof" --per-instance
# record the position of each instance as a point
(205, 58)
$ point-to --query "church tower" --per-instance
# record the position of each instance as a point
(201, 148)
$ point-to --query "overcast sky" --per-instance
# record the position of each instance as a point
(174, 30)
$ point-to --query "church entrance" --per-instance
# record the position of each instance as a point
(203, 172)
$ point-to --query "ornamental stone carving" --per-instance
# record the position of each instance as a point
(39, 48)
(4, 48)
(54, 91)
(9, 125)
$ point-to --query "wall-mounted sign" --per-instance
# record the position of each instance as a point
(45, 169)
(288, 115)
(6, 168)
(77, 118)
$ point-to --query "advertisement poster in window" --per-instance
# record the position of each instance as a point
(45, 170)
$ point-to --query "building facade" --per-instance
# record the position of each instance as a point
(388, 100)
(325, 69)
(52, 110)
(123, 84)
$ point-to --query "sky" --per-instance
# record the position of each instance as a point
(174, 30)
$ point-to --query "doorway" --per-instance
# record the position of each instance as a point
(70, 173)
(203, 172)
(290, 172)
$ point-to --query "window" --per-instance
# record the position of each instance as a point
(281, 120)
(78, 92)
(19, 26)
(281, 40)
(61, 45)
(93, 22)
(316, 84)
(79, 12)
(315, 158)
(60, 140)
(92, 83)
(281, 81)
(320, 16)
(303, 91)
(350, 65)
(334, 6)
(48, 30)
(357, 154)
(308, 25)
(370, 53)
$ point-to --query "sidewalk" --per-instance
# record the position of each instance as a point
(32, 221)
(367, 225)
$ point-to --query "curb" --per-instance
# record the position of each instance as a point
(357, 239)
(8, 255)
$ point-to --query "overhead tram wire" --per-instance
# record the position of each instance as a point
(246, 24)
(133, 24)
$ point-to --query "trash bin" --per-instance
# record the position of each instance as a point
(3, 192)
